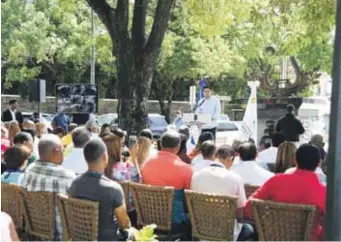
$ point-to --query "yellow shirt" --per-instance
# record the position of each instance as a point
(67, 140)
(68, 150)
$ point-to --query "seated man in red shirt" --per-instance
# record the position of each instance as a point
(300, 187)
(167, 169)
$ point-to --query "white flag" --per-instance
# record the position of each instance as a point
(250, 125)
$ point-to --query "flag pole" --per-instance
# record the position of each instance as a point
(333, 228)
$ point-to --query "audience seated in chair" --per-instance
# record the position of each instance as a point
(166, 169)
(248, 168)
(218, 179)
(75, 161)
(16, 158)
(26, 139)
(47, 173)
(93, 185)
(208, 150)
(289, 188)
(269, 156)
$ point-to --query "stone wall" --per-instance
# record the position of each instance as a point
(104, 106)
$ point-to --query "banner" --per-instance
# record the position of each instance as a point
(249, 126)
(202, 84)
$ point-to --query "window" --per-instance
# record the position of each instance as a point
(227, 127)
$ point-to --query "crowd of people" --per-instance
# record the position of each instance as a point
(89, 161)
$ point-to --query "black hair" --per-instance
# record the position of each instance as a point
(224, 152)
(104, 126)
(265, 141)
(71, 127)
(208, 149)
(22, 137)
(58, 130)
(12, 101)
(308, 157)
(206, 87)
(290, 108)
(205, 136)
(247, 151)
(146, 133)
(170, 140)
(183, 144)
(235, 146)
(94, 150)
(119, 132)
(184, 129)
(15, 156)
(30, 131)
(277, 139)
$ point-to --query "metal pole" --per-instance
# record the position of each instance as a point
(92, 74)
(333, 228)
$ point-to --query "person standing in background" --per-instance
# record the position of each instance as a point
(290, 126)
(178, 121)
(61, 120)
(209, 105)
(12, 113)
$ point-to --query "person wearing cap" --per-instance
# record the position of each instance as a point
(290, 126)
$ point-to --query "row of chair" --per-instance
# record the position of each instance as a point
(212, 217)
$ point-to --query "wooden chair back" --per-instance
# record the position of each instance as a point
(213, 217)
(126, 190)
(12, 204)
(153, 205)
(79, 218)
(40, 214)
(250, 189)
(283, 221)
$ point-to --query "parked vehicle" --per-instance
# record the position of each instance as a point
(227, 132)
(156, 122)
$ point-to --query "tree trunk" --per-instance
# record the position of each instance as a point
(136, 56)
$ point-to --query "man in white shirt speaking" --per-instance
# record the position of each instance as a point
(209, 105)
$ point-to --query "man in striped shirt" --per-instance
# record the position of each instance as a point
(47, 174)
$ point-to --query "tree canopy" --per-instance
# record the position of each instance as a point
(224, 40)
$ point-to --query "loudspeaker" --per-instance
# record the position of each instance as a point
(37, 91)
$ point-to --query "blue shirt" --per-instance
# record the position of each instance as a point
(178, 122)
(61, 120)
(12, 177)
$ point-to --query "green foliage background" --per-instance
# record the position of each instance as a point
(218, 39)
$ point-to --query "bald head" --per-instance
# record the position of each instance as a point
(50, 148)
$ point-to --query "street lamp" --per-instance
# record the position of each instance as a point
(92, 63)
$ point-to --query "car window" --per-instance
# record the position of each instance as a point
(157, 121)
(227, 127)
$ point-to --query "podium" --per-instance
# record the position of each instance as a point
(197, 119)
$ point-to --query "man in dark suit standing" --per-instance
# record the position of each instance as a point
(12, 113)
(290, 126)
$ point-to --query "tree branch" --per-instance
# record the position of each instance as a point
(160, 24)
(106, 14)
(295, 65)
(139, 23)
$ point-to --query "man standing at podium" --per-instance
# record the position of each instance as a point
(209, 105)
